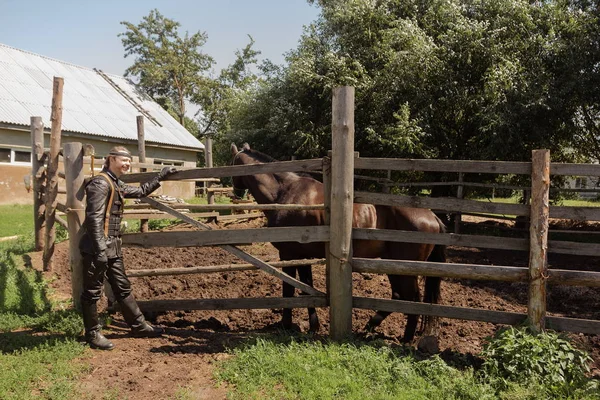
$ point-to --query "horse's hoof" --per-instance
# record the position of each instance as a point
(370, 327)
(429, 345)
(289, 326)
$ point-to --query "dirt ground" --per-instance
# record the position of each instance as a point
(184, 357)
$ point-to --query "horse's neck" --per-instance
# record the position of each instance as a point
(264, 188)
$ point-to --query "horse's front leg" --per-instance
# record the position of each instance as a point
(288, 291)
(305, 274)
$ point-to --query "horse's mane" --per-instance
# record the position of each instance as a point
(257, 155)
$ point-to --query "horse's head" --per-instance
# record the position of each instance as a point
(239, 187)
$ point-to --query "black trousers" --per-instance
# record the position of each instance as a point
(93, 278)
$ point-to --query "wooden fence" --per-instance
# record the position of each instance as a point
(338, 176)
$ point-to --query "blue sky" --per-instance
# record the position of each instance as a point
(85, 32)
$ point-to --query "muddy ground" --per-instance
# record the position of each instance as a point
(184, 357)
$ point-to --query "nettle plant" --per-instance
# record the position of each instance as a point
(518, 355)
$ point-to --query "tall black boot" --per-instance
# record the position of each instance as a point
(93, 336)
(135, 319)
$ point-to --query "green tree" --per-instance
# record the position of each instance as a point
(436, 78)
(218, 96)
(167, 66)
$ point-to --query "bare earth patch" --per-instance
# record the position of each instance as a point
(184, 358)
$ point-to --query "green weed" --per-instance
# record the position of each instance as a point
(516, 355)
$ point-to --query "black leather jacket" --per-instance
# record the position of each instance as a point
(95, 238)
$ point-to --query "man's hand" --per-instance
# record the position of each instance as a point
(100, 259)
(166, 171)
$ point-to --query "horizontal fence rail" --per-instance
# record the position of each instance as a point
(489, 242)
(218, 268)
(440, 203)
(304, 234)
(461, 205)
(227, 207)
(473, 166)
(234, 170)
(472, 314)
(397, 164)
(232, 304)
(472, 271)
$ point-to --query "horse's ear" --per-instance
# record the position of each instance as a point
(234, 149)
(246, 146)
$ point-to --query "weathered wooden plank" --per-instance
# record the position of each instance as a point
(426, 268)
(232, 170)
(233, 304)
(574, 248)
(73, 161)
(304, 234)
(51, 197)
(471, 271)
(342, 173)
(38, 183)
(474, 166)
(436, 310)
(234, 217)
(575, 169)
(448, 239)
(489, 242)
(221, 207)
(441, 203)
(218, 268)
(579, 325)
(471, 314)
(160, 215)
(61, 222)
(399, 164)
(577, 213)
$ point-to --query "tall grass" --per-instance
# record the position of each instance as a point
(37, 337)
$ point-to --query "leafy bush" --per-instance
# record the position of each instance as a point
(517, 355)
(62, 233)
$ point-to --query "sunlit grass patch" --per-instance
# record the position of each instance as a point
(314, 370)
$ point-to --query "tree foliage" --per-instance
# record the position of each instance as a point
(170, 68)
(436, 78)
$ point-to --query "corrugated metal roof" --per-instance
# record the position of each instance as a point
(94, 103)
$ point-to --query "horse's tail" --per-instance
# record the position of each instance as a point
(432, 283)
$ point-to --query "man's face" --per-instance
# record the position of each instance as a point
(120, 165)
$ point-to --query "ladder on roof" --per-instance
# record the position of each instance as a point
(128, 97)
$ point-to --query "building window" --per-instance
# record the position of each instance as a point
(12, 156)
(168, 162)
(580, 183)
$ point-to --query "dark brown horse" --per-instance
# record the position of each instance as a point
(292, 188)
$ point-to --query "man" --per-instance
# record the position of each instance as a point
(100, 246)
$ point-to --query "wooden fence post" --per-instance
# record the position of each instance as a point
(538, 238)
(459, 195)
(38, 176)
(208, 157)
(342, 197)
(74, 177)
(142, 159)
(327, 204)
(52, 172)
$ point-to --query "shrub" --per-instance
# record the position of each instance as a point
(517, 355)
